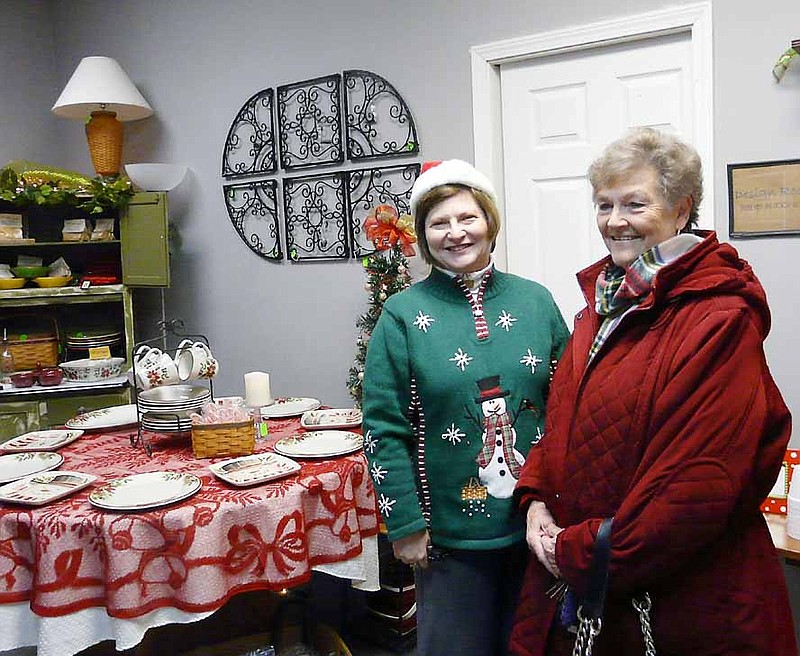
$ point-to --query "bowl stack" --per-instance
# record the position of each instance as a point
(86, 339)
(167, 409)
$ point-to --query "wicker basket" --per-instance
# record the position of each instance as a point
(36, 348)
(214, 440)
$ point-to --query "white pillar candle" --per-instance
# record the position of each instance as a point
(256, 389)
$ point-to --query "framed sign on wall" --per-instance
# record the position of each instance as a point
(764, 199)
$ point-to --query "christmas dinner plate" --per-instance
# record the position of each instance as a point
(289, 406)
(42, 488)
(114, 417)
(144, 491)
(42, 440)
(331, 418)
(19, 465)
(319, 444)
(254, 469)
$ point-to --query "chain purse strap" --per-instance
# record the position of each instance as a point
(590, 613)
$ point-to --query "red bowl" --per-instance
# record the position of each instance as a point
(23, 379)
(49, 376)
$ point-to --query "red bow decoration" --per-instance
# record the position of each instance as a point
(385, 228)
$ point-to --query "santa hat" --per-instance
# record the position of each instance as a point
(451, 171)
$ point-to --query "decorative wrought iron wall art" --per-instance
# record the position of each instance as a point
(250, 144)
(309, 122)
(379, 123)
(368, 188)
(253, 210)
(315, 217)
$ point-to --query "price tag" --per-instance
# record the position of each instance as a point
(99, 353)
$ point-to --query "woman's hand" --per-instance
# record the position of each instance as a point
(413, 549)
(541, 535)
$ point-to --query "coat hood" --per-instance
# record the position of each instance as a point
(708, 269)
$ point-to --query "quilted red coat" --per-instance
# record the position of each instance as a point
(677, 430)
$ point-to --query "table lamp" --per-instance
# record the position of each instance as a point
(100, 88)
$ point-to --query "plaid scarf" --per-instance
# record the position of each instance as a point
(618, 290)
(493, 424)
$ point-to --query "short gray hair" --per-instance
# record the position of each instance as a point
(676, 162)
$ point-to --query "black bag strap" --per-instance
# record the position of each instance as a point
(598, 576)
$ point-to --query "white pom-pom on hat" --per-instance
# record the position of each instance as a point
(450, 171)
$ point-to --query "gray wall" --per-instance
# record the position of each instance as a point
(197, 61)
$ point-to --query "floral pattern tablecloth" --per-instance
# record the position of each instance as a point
(192, 555)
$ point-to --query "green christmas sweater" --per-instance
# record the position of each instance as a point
(453, 398)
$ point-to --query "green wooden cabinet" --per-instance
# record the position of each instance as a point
(141, 251)
(18, 417)
(144, 232)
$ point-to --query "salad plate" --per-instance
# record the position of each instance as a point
(42, 488)
(19, 465)
(41, 440)
(331, 418)
(289, 406)
(254, 469)
(144, 491)
(319, 444)
(116, 416)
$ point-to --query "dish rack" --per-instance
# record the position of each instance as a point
(169, 337)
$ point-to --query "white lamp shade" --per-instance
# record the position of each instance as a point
(99, 83)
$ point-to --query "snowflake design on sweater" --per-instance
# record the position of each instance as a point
(453, 434)
(386, 505)
(423, 321)
(505, 321)
(462, 359)
(370, 442)
(531, 360)
(378, 473)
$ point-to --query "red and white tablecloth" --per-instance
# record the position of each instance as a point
(84, 567)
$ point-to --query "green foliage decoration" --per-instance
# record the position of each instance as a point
(24, 184)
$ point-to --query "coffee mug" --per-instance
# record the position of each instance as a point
(156, 369)
(195, 360)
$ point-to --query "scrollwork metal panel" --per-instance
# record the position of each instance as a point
(309, 122)
(253, 210)
(368, 188)
(315, 211)
(379, 123)
(250, 144)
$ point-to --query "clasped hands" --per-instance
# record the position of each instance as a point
(541, 535)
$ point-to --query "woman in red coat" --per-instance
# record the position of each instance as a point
(663, 416)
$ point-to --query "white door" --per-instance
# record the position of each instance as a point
(558, 113)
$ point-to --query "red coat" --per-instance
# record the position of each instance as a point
(677, 430)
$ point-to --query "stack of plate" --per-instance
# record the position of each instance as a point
(793, 509)
(86, 339)
(167, 409)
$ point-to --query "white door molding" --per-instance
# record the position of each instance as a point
(486, 60)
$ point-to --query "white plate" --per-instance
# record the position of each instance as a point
(320, 444)
(20, 465)
(289, 406)
(333, 418)
(142, 491)
(43, 440)
(113, 417)
(254, 469)
(42, 488)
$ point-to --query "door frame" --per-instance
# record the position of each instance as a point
(486, 60)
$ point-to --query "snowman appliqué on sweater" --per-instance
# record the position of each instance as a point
(499, 463)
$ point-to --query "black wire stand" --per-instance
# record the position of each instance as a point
(170, 331)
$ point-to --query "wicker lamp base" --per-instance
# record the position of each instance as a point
(104, 134)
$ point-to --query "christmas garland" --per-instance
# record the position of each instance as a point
(24, 184)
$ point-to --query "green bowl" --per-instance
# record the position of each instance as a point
(30, 271)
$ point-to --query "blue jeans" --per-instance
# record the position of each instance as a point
(466, 602)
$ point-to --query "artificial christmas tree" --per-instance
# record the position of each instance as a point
(387, 274)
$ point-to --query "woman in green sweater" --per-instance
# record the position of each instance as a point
(456, 377)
